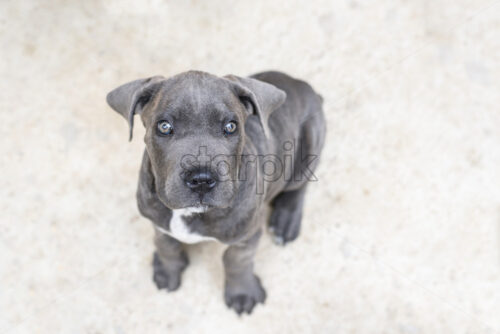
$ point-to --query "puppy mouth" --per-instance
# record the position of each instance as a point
(199, 208)
(203, 203)
(208, 203)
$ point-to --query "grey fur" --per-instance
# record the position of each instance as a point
(270, 109)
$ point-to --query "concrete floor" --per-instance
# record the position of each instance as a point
(401, 234)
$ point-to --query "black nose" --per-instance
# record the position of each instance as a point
(200, 181)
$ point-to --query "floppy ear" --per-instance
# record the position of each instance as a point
(131, 98)
(259, 97)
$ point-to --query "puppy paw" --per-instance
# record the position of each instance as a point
(243, 295)
(284, 225)
(168, 278)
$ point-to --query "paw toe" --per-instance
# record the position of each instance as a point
(249, 305)
(243, 299)
(242, 303)
(284, 226)
(292, 232)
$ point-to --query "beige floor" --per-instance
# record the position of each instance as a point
(401, 234)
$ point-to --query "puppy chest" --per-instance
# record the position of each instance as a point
(179, 227)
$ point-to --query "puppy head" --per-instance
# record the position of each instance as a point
(195, 131)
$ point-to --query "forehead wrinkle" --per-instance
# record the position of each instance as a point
(196, 97)
(195, 94)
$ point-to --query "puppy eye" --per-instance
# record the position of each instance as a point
(230, 127)
(165, 128)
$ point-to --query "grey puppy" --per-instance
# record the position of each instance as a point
(218, 151)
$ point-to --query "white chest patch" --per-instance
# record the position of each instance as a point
(179, 230)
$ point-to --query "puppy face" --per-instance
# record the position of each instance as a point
(194, 136)
(195, 131)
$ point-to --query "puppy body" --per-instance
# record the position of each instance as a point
(270, 159)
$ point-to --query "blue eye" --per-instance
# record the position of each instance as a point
(230, 127)
(165, 128)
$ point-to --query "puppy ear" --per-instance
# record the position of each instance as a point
(131, 98)
(259, 97)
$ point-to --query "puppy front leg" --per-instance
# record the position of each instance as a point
(169, 261)
(243, 289)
